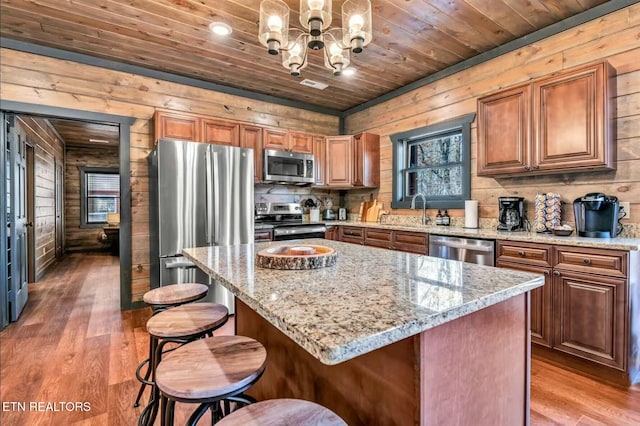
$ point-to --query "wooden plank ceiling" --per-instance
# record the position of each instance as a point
(86, 134)
(411, 39)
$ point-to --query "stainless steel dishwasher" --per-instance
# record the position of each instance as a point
(471, 250)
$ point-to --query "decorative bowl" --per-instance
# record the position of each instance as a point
(562, 232)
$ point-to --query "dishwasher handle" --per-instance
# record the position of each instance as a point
(462, 246)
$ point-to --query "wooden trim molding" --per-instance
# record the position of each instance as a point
(125, 124)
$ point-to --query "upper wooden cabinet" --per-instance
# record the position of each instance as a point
(288, 141)
(301, 142)
(177, 126)
(319, 158)
(352, 161)
(338, 161)
(562, 123)
(220, 132)
(251, 137)
(366, 160)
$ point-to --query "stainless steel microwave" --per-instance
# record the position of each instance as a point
(288, 167)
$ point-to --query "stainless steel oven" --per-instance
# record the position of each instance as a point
(284, 222)
(288, 167)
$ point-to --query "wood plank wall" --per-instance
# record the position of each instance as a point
(49, 150)
(30, 78)
(614, 37)
(77, 238)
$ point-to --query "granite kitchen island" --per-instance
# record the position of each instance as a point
(386, 337)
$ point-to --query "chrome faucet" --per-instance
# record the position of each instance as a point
(424, 206)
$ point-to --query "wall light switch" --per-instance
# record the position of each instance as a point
(625, 207)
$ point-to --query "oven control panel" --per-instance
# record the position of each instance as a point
(278, 208)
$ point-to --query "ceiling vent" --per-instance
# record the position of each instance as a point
(314, 84)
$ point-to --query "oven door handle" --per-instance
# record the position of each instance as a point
(294, 230)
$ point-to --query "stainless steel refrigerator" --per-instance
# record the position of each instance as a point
(199, 195)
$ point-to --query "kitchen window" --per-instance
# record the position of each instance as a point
(435, 161)
(99, 195)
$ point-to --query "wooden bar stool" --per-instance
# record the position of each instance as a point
(168, 296)
(181, 325)
(160, 299)
(277, 412)
(209, 372)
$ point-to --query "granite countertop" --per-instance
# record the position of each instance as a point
(491, 234)
(371, 298)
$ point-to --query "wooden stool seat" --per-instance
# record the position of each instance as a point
(187, 320)
(175, 294)
(277, 412)
(211, 369)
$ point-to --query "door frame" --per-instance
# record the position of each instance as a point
(125, 124)
(4, 302)
(31, 212)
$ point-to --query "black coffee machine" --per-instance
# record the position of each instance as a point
(596, 215)
(511, 217)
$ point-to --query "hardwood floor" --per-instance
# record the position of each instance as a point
(72, 344)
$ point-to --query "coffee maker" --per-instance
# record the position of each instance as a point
(596, 215)
(511, 216)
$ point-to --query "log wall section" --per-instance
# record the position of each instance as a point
(36, 79)
(613, 37)
(77, 238)
(48, 151)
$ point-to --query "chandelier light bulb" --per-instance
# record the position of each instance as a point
(335, 50)
(355, 23)
(315, 4)
(275, 23)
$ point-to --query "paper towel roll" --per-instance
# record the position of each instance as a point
(471, 213)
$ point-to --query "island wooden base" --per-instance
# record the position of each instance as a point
(473, 370)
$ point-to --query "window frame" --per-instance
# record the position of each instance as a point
(83, 193)
(400, 142)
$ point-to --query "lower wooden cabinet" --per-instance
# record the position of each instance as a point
(332, 233)
(541, 303)
(382, 238)
(352, 234)
(589, 317)
(584, 308)
(411, 242)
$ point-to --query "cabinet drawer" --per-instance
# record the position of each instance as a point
(527, 253)
(378, 238)
(412, 242)
(594, 261)
(349, 234)
(352, 231)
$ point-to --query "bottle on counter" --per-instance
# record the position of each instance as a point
(439, 218)
(446, 219)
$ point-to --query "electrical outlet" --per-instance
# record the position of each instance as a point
(625, 207)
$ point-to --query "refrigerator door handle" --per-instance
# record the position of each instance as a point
(180, 264)
(215, 208)
(209, 204)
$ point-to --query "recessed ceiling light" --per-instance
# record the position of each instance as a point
(220, 28)
(349, 71)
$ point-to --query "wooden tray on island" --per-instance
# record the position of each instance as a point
(296, 256)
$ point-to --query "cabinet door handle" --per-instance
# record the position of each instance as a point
(586, 261)
(527, 168)
(521, 253)
(556, 273)
(536, 167)
(546, 273)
